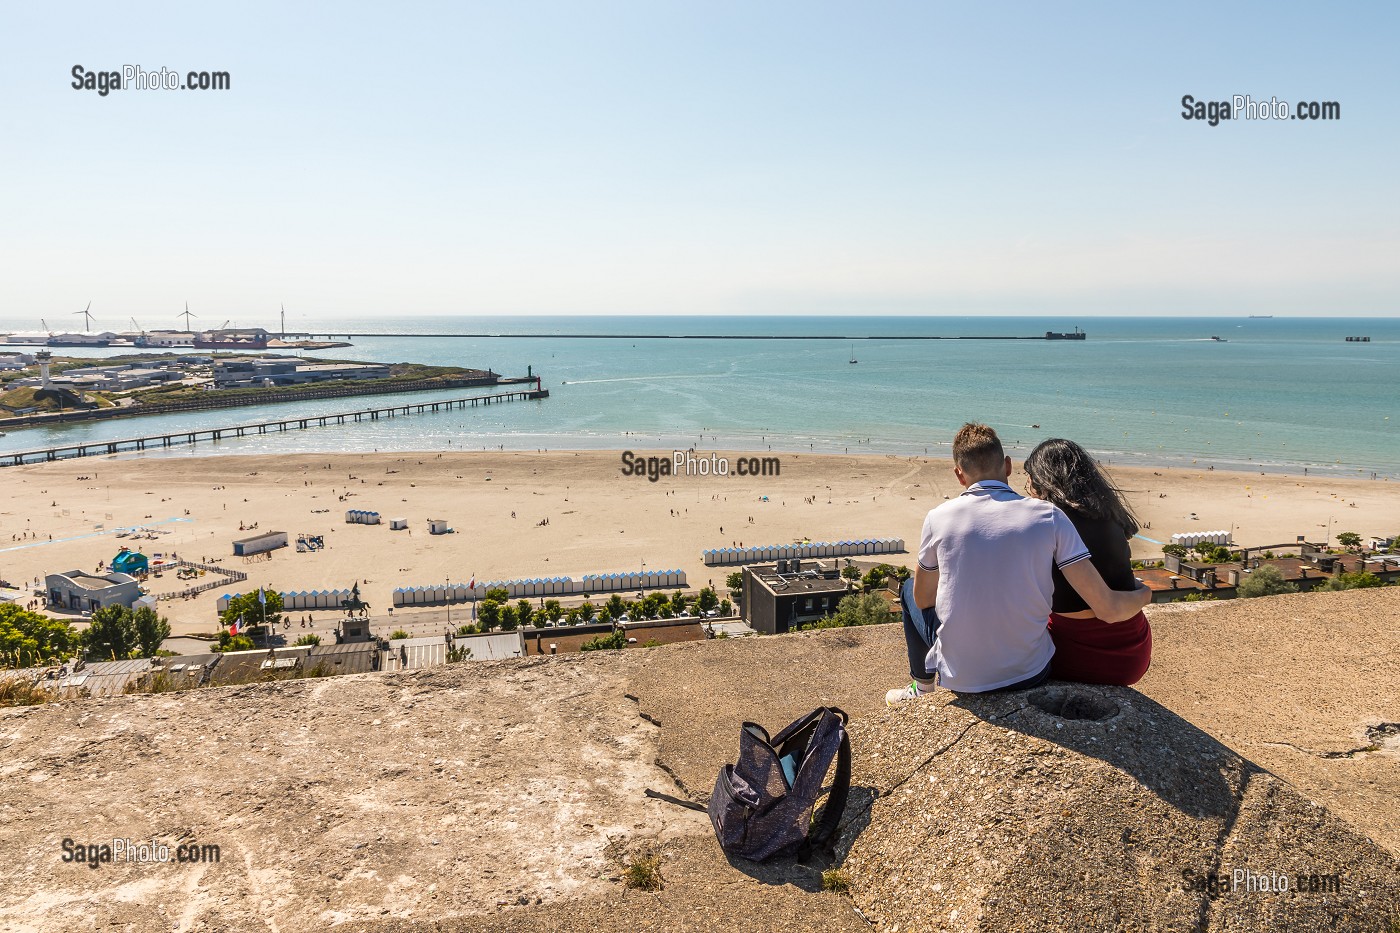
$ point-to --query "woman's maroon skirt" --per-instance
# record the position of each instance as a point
(1091, 651)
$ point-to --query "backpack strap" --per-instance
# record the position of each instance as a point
(822, 835)
(671, 798)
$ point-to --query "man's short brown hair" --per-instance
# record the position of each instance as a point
(977, 451)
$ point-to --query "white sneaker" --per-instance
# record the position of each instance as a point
(900, 695)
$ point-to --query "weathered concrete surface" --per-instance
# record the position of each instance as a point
(1088, 808)
(439, 800)
(1291, 682)
(1304, 685)
(332, 800)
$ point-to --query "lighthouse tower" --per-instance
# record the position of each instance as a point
(44, 356)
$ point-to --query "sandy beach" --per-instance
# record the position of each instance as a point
(564, 513)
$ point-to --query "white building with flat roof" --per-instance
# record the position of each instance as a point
(80, 591)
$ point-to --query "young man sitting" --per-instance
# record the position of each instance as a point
(976, 607)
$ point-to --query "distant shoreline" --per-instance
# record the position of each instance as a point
(1058, 337)
(729, 444)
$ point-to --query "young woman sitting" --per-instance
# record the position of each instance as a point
(1087, 649)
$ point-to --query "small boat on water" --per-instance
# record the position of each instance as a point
(1219, 339)
(853, 355)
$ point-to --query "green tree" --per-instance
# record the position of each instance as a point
(1360, 580)
(735, 582)
(707, 599)
(573, 616)
(1178, 551)
(850, 573)
(398, 633)
(468, 629)
(587, 611)
(553, 610)
(678, 602)
(1265, 581)
(229, 642)
(665, 611)
(489, 613)
(111, 636)
(726, 608)
(524, 612)
(652, 603)
(151, 630)
(307, 639)
(29, 638)
(510, 619)
(499, 593)
(1349, 540)
(613, 608)
(877, 574)
(617, 639)
(856, 609)
(252, 611)
(1214, 553)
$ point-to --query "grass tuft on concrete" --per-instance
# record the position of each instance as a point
(836, 881)
(644, 874)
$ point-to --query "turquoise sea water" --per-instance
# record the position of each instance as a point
(1280, 393)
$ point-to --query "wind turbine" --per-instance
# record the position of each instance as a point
(187, 315)
(87, 316)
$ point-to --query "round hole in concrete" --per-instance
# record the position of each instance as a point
(1073, 704)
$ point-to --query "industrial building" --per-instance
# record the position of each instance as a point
(118, 377)
(261, 372)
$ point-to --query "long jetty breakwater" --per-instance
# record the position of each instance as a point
(180, 438)
(1048, 335)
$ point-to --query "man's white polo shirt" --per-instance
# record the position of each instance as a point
(994, 551)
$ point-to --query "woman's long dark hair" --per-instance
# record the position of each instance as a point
(1063, 473)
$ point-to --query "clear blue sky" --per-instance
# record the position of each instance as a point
(705, 157)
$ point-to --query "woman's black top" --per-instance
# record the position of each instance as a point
(1108, 552)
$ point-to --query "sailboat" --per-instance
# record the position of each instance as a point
(853, 355)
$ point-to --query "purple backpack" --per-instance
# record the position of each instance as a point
(762, 804)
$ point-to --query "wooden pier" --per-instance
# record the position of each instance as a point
(179, 438)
